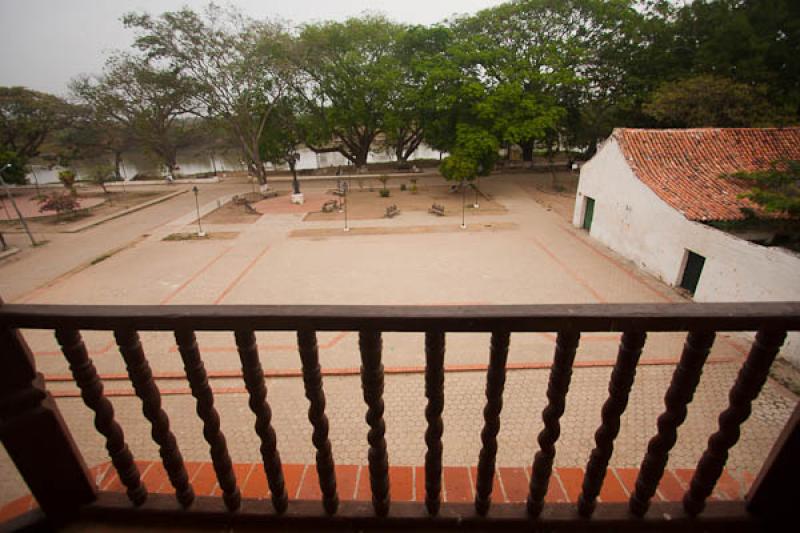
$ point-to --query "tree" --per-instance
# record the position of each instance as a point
(348, 76)
(27, 118)
(144, 97)
(281, 137)
(92, 134)
(239, 67)
(101, 174)
(706, 100)
(776, 189)
(474, 155)
(753, 42)
(17, 169)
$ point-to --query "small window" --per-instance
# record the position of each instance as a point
(588, 213)
(692, 271)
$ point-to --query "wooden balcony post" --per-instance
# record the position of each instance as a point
(35, 435)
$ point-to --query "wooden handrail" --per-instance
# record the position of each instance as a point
(700, 321)
(747, 316)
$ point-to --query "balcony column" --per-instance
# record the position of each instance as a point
(35, 435)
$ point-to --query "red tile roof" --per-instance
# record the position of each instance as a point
(684, 167)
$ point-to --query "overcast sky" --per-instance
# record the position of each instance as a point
(45, 43)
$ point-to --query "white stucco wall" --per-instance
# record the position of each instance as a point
(630, 219)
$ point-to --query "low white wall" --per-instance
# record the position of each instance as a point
(630, 219)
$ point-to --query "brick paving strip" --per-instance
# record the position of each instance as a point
(407, 484)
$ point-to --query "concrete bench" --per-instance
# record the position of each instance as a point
(437, 210)
(392, 211)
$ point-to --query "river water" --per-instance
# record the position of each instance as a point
(193, 163)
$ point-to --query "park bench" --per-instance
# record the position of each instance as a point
(392, 211)
(330, 206)
(437, 210)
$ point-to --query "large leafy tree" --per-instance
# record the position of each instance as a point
(145, 98)
(27, 118)
(753, 42)
(283, 135)
(348, 80)
(706, 100)
(91, 134)
(239, 67)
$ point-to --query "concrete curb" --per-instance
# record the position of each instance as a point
(9, 252)
(301, 179)
(163, 182)
(124, 212)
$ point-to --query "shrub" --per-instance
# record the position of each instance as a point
(67, 177)
(384, 193)
(60, 203)
(402, 186)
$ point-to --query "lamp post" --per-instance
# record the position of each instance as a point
(200, 232)
(11, 197)
(346, 192)
(463, 204)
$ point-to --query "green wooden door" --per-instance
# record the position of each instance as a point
(692, 271)
(588, 214)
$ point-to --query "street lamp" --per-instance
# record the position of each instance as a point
(200, 232)
(11, 197)
(463, 204)
(346, 185)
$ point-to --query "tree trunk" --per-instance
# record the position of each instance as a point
(117, 165)
(527, 151)
(360, 158)
(257, 168)
(295, 181)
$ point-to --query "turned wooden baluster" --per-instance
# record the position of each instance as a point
(254, 381)
(312, 380)
(142, 379)
(679, 395)
(495, 381)
(370, 345)
(434, 392)
(749, 381)
(91, 387)
(557, 388)
(619, 387)
(198, 382)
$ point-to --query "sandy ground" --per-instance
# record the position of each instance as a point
(515, 250)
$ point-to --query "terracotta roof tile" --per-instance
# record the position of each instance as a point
(684, 167)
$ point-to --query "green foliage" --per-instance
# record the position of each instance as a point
(67, 177)
(706, 100)
(147, 98)
(238, 67)
(101, 174)
(17, 171)
(474, 155)
(27, 118)
(348, 79)
(776, 189)
(384, 193)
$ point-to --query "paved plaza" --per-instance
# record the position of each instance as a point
(523, 252)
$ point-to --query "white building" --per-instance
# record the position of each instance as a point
(654, 197)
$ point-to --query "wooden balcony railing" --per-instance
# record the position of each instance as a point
(43, 450)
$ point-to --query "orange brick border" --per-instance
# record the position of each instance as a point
(407, 484)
